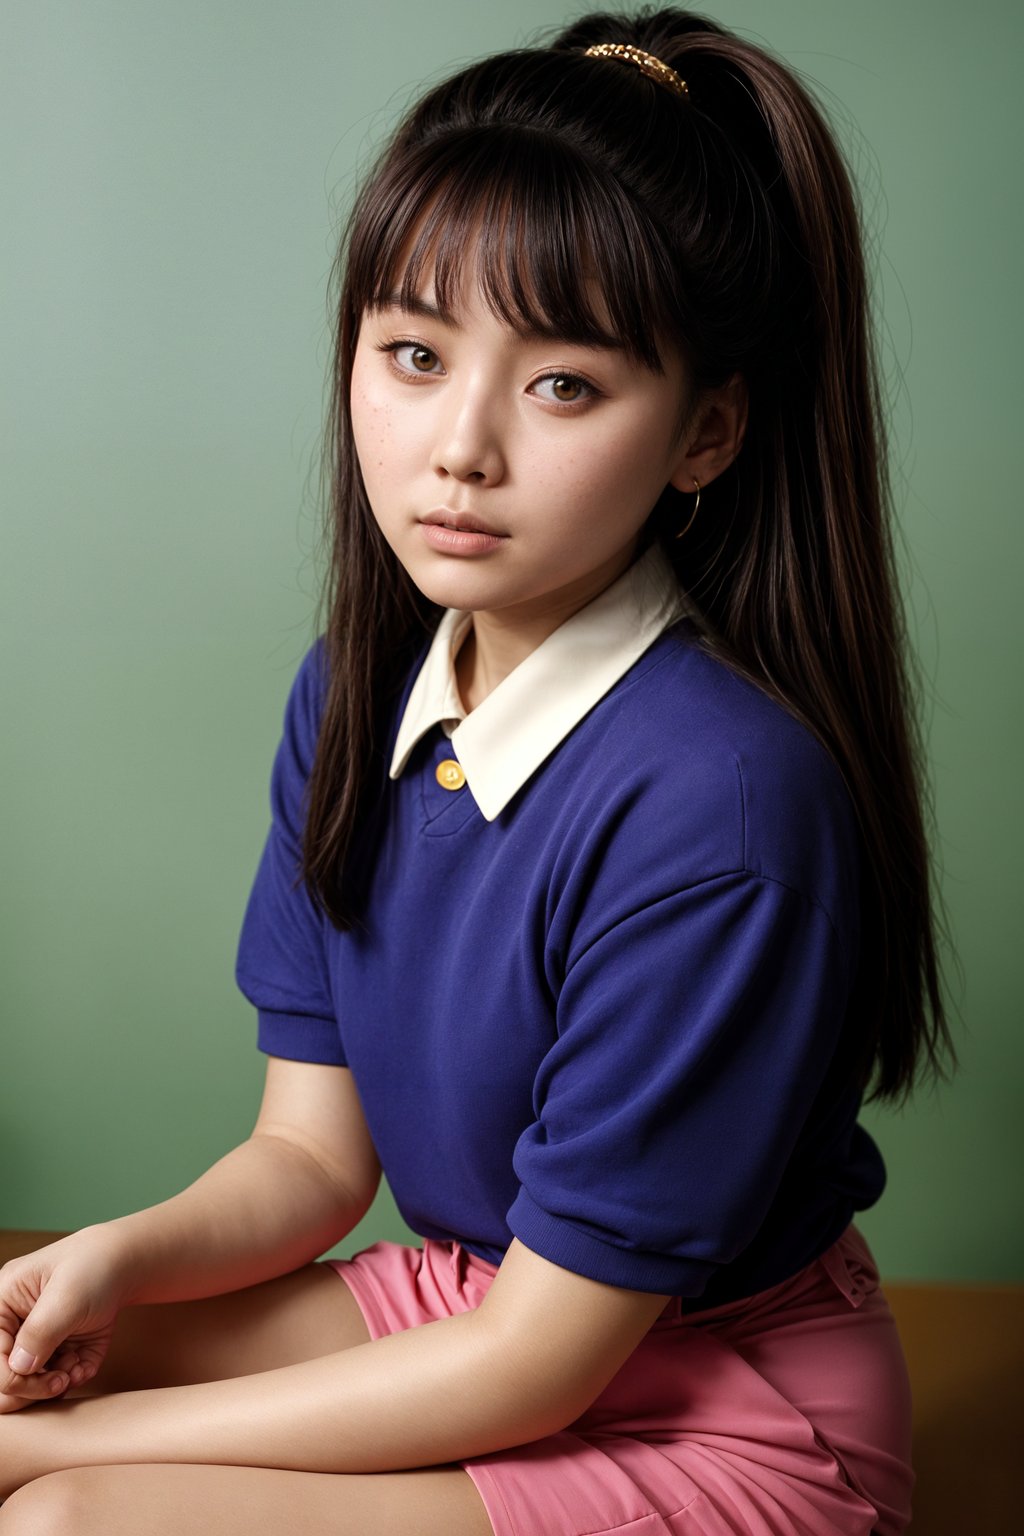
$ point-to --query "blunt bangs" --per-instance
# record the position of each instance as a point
(560, 251)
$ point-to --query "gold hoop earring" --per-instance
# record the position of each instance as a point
(693, 514)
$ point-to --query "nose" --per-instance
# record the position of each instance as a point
(468, 443)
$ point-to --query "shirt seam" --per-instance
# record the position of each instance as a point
(252, 980)
(567, 1225)
(695, 885)
(783, 883)
(743, 813)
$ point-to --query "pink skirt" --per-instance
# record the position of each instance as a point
(785, 1414)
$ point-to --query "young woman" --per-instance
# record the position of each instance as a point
(596, 897)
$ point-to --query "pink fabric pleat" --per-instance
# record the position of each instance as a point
(785, 1414)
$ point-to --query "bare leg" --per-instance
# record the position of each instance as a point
(164, 1500)
(295, 1317)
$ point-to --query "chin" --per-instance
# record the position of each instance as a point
(457, 581)
(457, 594)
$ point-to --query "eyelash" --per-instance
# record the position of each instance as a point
(392, 347)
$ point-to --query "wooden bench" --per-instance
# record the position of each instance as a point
(965, 1352)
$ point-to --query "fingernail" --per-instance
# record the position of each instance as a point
(22, 1361)
(58, 1383)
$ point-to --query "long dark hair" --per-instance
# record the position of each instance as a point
(723, 222)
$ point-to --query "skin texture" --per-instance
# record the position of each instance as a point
(477, 419)
(282, 1373)
(239, 1376)
(292, 1318)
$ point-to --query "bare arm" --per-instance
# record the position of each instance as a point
(306, 1177)
(529, 1360)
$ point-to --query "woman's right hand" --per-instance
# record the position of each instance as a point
(58, 1307)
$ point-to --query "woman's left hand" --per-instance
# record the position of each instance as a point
(59, 1305)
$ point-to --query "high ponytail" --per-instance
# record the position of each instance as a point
(794, 564)
(725, 222)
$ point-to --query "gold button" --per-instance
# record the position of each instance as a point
(449, 774)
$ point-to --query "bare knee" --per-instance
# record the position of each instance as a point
(54, 1505)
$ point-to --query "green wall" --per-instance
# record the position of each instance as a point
(173, 179)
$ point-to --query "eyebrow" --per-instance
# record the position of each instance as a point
(417, 306)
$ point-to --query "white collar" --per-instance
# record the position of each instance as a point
(505, 739)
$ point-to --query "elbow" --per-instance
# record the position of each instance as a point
(538, 1397)
(525, 1417)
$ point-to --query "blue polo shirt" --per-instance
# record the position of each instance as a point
(612, 1018)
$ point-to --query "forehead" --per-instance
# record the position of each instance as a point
(540, 282)
(472, 296)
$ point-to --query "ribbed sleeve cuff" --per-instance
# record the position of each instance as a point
(635, 1270)
(299, 1037)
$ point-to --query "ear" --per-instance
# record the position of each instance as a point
(715, 435)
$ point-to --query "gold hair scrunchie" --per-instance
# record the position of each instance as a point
(651, 66)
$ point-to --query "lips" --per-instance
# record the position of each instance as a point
(464, 522)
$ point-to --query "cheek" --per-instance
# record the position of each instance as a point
(389, 438)
(611, 471)
(370, 422)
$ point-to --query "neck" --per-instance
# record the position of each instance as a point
(499, 639)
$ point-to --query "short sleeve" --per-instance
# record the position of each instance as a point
(281, 963)
(693, 1035)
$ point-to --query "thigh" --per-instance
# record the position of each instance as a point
(166, 1499)
(785, 1412)
(284, 1321)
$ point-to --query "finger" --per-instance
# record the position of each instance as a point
(45, 1331)
(18, 1384)
(81, 1373)
(18, 1369)
(65, 1359)
(10, 1322)
(73, 1365)
(10, 1402)
(7, 1337)
(10, 1382)
(35, 1389)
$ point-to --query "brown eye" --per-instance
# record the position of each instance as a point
(422, 358)
(566, 388)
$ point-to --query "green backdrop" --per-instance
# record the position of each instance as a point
(173, 181)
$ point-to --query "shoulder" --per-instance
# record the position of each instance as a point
(309, 687)
(307, 696)
(305, 701)
(705, 774)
